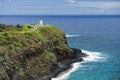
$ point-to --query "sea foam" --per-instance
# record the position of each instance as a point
(65, 75)
(69, 35)
(93, 56)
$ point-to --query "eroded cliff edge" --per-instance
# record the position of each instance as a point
(35, 55)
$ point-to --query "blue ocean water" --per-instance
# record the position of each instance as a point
(98, 36)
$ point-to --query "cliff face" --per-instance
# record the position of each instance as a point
(33, 55)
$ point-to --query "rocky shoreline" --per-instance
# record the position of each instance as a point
(65, 64)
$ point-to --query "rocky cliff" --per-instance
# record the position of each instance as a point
(35, 55)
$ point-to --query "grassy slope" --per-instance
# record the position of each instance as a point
(31, 54)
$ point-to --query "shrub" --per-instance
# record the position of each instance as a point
(25, 27)
(18, 26)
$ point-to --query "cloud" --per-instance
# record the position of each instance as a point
(102, 5)
(96, 7)
(71, 1)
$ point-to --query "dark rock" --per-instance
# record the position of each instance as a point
(66, 64)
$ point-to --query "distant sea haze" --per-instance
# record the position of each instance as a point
(98, 36)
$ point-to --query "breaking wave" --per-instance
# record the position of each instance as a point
(93, 56)
(69, 35)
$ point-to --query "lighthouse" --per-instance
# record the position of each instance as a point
(41, 22)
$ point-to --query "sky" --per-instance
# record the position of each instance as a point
(59, 7)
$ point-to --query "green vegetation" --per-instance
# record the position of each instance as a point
(26, 27)
(24, 51)
(14, 29)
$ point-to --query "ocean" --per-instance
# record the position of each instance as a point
(97, 36)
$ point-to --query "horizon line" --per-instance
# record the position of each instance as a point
(59, 15)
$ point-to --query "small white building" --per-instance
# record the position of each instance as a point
(41, 22)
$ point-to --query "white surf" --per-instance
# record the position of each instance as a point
(93, 56)
(69, 35)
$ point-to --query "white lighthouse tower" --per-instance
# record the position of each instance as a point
(41, 22)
